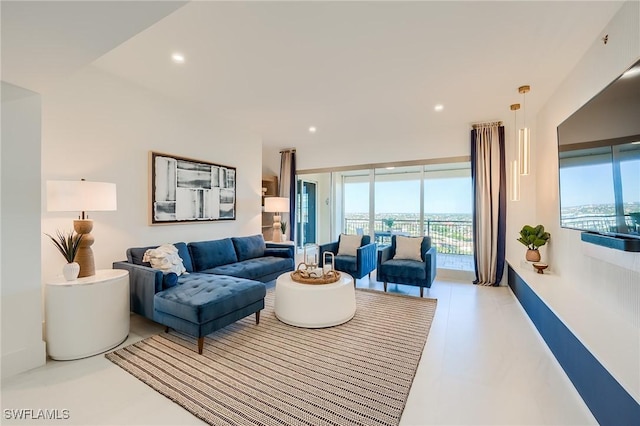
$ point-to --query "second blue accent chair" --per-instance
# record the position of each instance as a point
(363, 263)
(404, 271)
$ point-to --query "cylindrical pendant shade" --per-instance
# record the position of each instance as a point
(514, 178)
(524, 151)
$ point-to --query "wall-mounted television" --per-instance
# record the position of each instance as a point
(599, 159)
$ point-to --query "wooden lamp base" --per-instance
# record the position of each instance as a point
(84, 257)
(277, 229)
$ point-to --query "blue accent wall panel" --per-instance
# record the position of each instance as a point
(609, 402)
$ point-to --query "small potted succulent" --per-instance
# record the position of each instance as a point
(533, 238)
(68, 244)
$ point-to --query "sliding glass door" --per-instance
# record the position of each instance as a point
(356, 202)
(432, 199)
(307, 212)
(397, 202)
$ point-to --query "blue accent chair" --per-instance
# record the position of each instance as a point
(357, 266)
(404, 271)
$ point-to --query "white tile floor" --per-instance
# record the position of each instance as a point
(483, 364)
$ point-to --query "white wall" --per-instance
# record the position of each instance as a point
(271, 161)
(22, 345)
(101, 128)
(597, 299)
(447, 142)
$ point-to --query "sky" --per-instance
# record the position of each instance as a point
(450, 195)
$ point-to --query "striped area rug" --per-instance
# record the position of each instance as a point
(358, 373)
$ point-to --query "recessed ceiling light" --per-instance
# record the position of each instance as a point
(178, 58)
(390, 168)
(438, 107)
(312, 129)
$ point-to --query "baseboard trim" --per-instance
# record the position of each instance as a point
(608, 401)
(23, 360)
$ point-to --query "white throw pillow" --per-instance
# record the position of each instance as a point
(165, 258)
(349, 244)
(408, 248)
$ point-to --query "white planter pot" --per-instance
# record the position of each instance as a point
(71, 271)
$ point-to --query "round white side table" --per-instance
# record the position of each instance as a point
(86, 316)
(315, 305)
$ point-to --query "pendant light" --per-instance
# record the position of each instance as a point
(514, 170)
(524, 148)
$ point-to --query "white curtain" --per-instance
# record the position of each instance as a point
(489, 201)
(288, 187)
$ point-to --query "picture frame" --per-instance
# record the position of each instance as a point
(185, 190)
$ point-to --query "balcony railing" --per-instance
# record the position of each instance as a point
(449, 236)
(600, 223)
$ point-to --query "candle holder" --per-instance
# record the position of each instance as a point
(308, 271)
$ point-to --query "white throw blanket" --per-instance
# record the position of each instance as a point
(165, 258)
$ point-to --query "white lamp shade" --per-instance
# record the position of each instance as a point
(276, 204)
(80, 195)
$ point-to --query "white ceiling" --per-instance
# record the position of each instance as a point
(44, 42)
(358, 71)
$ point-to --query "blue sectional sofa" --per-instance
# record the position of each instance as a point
(224, 282)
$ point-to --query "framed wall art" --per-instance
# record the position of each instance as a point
(187, 190)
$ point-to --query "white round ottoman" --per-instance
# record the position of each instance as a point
(315, 305)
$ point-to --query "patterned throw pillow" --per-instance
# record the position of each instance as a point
(165, 258)
(408, 248)
(349, 244)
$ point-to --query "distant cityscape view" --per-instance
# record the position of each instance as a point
(450, 232)
(447, 209)
(600, 217)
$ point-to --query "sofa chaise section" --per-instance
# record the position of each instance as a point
(206, 303)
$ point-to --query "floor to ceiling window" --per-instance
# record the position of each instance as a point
(356, 202)
(447, 213)
(397, 202)
(431, 199)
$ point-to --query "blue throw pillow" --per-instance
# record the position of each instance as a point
(169, 280)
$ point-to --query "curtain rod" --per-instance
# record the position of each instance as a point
(487, 124)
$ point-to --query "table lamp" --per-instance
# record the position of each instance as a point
(82, 196)
(276, 205)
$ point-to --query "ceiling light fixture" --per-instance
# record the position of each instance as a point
(514, 170)
(312, 129)
(524, 148)
(438, 107)
(178, 58)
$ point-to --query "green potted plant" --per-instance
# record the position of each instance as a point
(533, 238)
(388, 222)
(283, 226)
(68, 244)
